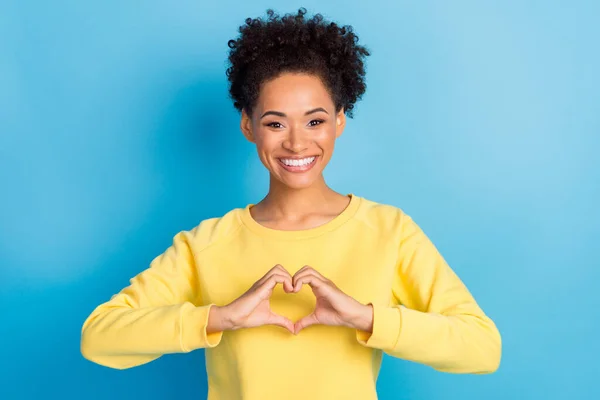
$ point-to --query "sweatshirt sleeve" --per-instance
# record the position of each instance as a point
(155, 315)
(437, 322)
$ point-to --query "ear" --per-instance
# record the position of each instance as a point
(246, 126)
(340, 123)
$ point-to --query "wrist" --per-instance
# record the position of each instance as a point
(220, 317)
(363, 318)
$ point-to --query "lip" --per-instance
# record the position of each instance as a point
(297, 169)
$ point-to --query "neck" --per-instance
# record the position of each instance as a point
(285, 203)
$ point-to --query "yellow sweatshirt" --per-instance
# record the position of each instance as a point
(373, 252)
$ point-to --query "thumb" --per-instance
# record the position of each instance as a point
(279, 320)
(307, 321)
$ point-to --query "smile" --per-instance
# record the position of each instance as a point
(298, 165)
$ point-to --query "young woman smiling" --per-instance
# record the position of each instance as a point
(299, 295)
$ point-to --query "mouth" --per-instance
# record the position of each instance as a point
(298, 165)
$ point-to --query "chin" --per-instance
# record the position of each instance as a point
(299, 186)
(297, 182)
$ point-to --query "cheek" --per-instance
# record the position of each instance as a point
(263, 141)
(325, 138)
(266, 145)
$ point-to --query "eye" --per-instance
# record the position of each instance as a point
(318, 122)
(275, 125)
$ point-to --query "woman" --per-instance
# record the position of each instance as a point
(299, 295)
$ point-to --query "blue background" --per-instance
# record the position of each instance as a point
(481, 120)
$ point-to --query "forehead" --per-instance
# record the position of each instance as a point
(294, 92)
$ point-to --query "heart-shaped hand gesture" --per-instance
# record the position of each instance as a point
(333, 307)
(252, 309)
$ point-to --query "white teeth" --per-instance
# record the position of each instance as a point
(298, 163)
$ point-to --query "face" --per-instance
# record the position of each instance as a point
(294, 126)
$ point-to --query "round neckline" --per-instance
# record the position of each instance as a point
(341, 218)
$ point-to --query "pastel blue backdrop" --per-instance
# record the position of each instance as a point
(481, 120)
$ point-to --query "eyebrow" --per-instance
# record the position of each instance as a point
(280, 114)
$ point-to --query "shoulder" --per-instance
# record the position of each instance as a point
(389, 220)
(211, 231)
(380, 216)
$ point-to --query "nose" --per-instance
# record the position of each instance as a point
(295, 141)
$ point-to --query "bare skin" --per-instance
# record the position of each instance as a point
(294, 117)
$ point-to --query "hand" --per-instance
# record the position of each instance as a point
(333, 306)
(252, 308)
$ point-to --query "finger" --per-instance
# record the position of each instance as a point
(308, 278)
(318, 274)
(268, 274)
(305, 322)
(281, 269)
(277, 269)
(288, 285)
(302, 269)
(268, 285)
(280, 320)
(306, 270)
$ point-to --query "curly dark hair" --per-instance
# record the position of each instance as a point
(293, 43)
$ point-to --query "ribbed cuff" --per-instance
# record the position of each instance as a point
(194, 321)
(386, 328)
